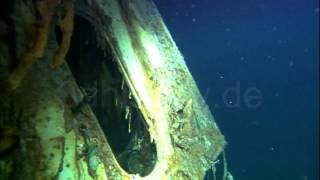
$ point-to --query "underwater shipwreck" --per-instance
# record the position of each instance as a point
(97, 89)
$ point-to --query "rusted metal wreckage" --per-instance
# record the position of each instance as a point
(97, 89)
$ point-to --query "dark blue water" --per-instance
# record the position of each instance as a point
(256, 63)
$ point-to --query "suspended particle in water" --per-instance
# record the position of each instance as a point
(291, 63)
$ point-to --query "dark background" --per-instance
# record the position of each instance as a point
(271, 46)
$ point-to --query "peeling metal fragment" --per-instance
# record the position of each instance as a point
(129, 125)
(130, 95)
(127, 112)
(122, 84)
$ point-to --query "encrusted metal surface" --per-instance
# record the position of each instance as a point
(67, 146)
